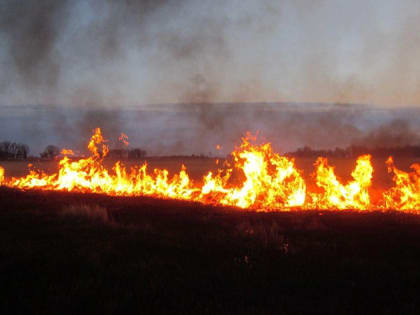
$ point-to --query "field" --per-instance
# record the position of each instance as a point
(84, 253)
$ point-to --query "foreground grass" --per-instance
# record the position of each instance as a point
(140, 255)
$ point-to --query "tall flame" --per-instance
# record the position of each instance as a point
(271, 180)
(257, 179)
(94, 143)
(405, 194)
(335, 195)
(1, 175)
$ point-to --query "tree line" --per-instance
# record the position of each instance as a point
(135, 153)
(18, 151)
(13, 151)
(356, 150)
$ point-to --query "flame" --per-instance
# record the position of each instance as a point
(257, 178)
(271, 180)
(94, 143)
(405, 194)
(124, 139)
(1, 175)
(67, 152)
(335, 195)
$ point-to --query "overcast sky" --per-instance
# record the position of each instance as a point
(129, 53)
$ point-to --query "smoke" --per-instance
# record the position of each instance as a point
(392, 134)
(199, 128)
(126, 53)
(100, 63)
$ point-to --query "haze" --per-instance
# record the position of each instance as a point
(130, 53)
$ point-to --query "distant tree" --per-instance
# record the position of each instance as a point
(357, 150)
(50, 152)
(118, 153)
(12, 151)
(22, 151)
(136, 153)
(4, 146)
(4, 150)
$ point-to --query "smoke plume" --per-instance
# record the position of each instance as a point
(130, 53)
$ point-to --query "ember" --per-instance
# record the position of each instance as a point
(269, 182)
(124, 139)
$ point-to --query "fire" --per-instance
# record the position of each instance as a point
(405, 194)
(257, 178)
(271, 180)
(67, 152)
(124, 139)
(1, 175)
(335, 195)
(94, 143)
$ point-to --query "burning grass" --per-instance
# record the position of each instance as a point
(256, 178)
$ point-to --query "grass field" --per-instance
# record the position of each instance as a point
(74, 253)
(148, 256)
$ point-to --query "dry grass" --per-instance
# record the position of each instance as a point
(173, 257)
(90, 212)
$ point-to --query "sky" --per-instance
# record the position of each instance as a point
(128, 53)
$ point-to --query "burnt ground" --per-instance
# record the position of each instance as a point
(153, 256)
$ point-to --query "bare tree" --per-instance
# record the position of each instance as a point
(136, 153)
(50, 152)
(12, 150)
(23, 151)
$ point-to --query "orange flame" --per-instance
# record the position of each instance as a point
(257, 179)
(271, 180)
(405, 194)
(124, 139)
(95, 141)
(67, 152)
(335, 195)
(1, 175)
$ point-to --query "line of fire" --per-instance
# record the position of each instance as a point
(254, 178)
